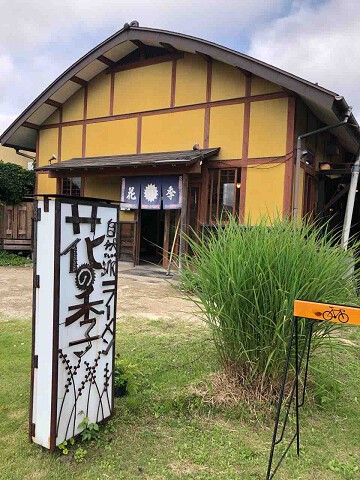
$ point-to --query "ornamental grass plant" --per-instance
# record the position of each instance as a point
(245, 280)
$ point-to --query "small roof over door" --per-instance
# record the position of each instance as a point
(184, 158)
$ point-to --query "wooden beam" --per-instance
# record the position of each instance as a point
(79, 81)
(106, 61)
(145, 62)
(337, 197)
(123, 171)
(166, 239)
(33, 126)
(168, 47)
(138, 43)
(245, 72)
(207, 58)
(183, 222)
(53, 103)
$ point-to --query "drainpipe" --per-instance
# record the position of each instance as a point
(299, 155)
(350, 202)
(24, 154)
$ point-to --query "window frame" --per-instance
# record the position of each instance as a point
(71, 179)
(236, 208)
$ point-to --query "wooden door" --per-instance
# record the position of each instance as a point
(16, 226)
(128, 243)
(309, 201)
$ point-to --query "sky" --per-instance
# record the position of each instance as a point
(318, 40)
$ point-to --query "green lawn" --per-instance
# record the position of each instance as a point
(165, 431)
(8, 259)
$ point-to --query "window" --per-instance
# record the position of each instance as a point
(224, 193)
(71, 186)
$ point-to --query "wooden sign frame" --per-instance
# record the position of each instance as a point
(74, 316)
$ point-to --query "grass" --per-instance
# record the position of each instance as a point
(245, 282)
(164, 431)
(13, 259)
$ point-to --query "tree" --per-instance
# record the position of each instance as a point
(15, 183)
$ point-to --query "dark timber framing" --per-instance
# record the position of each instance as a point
(182, 108)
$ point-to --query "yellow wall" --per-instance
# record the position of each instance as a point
(191, 79)
(111, 138)
(98, 102)
(73, 109)
(226, 130)
(71, 142)
(127, 216)
(9, 155)
(260, 86)
(149, 88)
(173, 131)
(48, 145)
(146, 88)
(107, 187)
(268, 128)
(264, 191)
(227, 82)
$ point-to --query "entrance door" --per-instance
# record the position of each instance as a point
(151, 236)
(127, 247)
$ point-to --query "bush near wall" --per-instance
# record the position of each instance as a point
(15, 183)
(13, 259)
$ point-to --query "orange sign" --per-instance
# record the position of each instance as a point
(327, 311)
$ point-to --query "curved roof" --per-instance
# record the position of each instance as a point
(327, 105)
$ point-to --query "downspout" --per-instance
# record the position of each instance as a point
(350, 202)
(24, 154)
(299, 155)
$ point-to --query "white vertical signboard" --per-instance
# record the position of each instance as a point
(75, 283)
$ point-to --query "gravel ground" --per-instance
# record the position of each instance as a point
(140, 296)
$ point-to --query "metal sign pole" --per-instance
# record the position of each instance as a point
(299, 357)
(310, 312)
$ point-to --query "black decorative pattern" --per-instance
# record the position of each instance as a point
(87, 383)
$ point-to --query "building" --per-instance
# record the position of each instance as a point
(15, 220)
(150, 111)
(9, 155)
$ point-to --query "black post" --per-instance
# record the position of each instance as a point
(296, 320)
(282, 391)
(299, 357)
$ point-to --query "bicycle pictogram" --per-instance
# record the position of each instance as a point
(336, 314)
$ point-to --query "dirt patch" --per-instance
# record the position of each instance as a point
(147, 297)
(15, 292)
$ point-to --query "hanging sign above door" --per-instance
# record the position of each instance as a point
(130, 192)
(151, 193)
(172, 192)
(147, 193)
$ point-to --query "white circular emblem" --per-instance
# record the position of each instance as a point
(151, 192)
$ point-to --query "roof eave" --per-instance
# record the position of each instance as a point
(315, 93)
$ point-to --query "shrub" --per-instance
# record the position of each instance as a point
(13, 259)
(15, 183)
(246, 280)
(125, 377)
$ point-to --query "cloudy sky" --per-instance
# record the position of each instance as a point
(316, 39)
